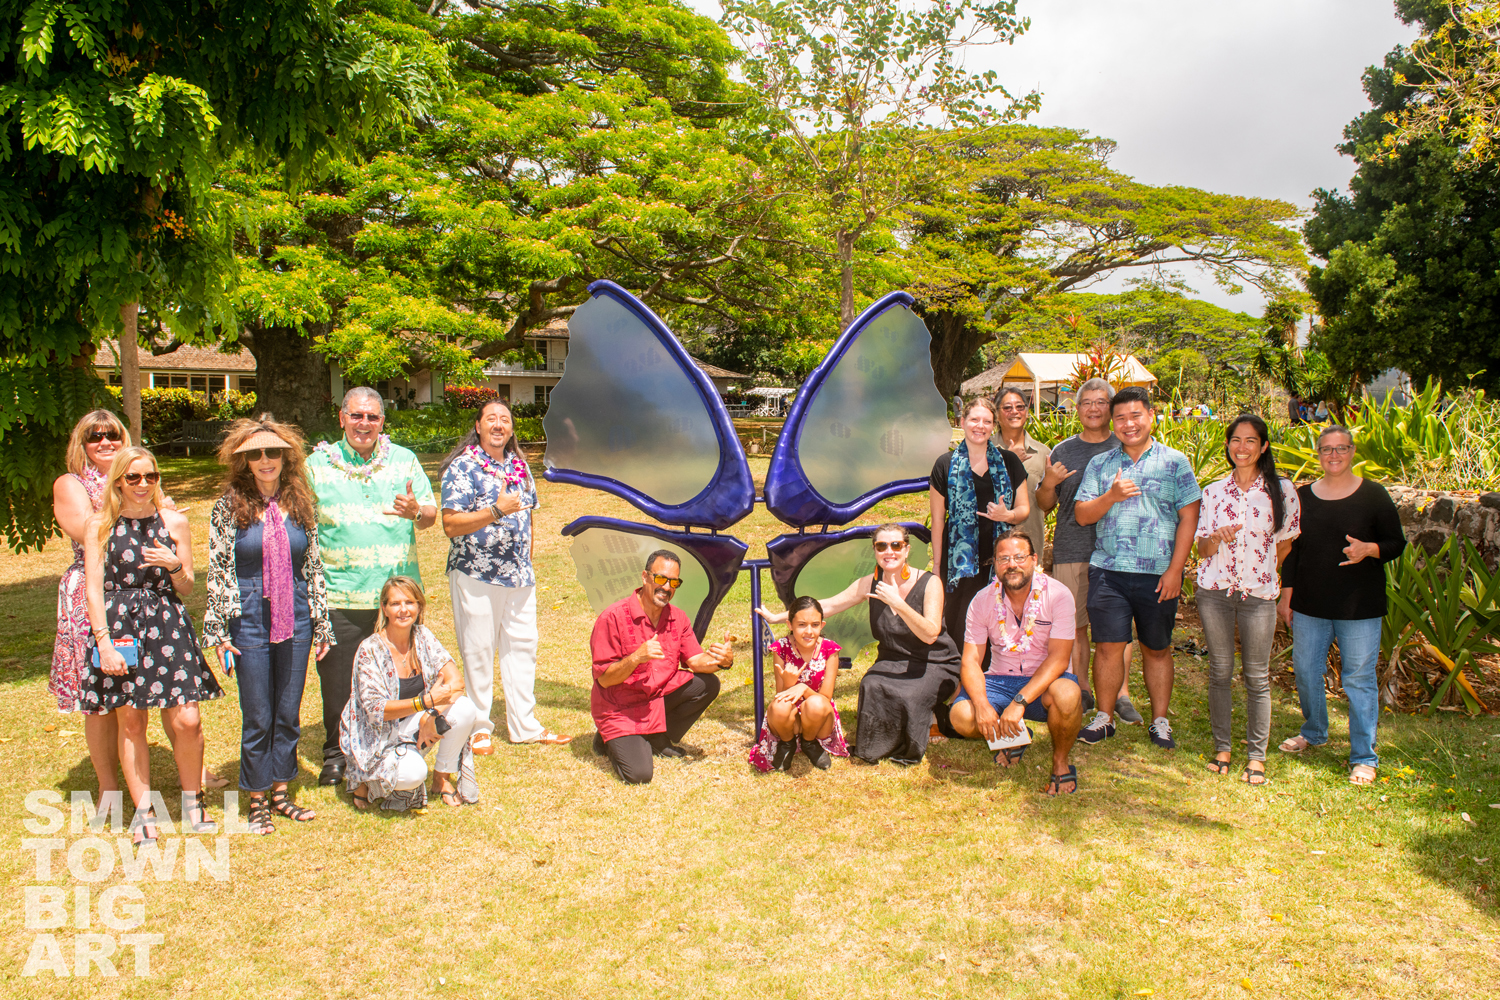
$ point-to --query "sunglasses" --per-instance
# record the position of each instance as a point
(670, 582)
(366, 418)
(134, 478)
(1013, 409)
(106, 435)
(257, 454)
(889, 546)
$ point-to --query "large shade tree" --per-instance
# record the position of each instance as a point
(582, 141)
(1034, 212)
(117, 116)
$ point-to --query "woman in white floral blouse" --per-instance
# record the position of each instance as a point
(1247, 525)
(488, 497)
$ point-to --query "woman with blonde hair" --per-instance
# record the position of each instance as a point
(138, 565)
(76, 495)
(266, 603)
(408, 694)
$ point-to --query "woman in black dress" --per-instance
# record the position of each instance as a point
(916, 664)
(138, 565)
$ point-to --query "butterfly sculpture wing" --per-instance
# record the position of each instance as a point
(609, 556)
(822, 565)
(634, 416)
(867, 424)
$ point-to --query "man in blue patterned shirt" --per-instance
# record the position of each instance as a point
(1143, 499)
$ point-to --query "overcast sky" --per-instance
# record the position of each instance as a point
(1245, 98)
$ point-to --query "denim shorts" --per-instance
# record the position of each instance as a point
(1003, 688)
(1117, 599)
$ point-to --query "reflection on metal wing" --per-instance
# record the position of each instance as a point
(609, 555)
(822, 565)
(634, 416)
(867, 424)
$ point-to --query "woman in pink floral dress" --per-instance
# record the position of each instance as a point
(802, 710)
(76, 495)
(1248, 521)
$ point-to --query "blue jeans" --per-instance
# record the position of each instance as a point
(270, 677)
(1001, 689)
(1359, 650)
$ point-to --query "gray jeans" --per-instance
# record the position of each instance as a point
(1220, 611)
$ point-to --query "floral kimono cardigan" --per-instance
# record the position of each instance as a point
(369, 740)
(224, 583)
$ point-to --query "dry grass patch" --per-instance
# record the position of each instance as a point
(952, 879)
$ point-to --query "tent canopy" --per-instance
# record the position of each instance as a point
(1048, 373)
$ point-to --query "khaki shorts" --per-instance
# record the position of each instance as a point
(1075, 576)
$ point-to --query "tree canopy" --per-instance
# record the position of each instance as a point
(1409, 279)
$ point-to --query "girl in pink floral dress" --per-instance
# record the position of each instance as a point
(802, 712)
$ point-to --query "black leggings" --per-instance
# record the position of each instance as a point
(631, 755)
(351, 626)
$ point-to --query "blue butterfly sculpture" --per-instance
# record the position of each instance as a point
(634, 416)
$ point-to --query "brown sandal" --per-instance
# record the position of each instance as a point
(1219, 767)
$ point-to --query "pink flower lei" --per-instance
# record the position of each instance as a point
(512, 471)
(1030, 612)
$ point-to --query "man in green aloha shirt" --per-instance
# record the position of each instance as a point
(373, 497)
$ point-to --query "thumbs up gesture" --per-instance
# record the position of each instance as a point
(406, 504)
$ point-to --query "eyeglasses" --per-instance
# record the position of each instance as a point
(259, 453)
(365, 418)
(1017, 560)
(1014, 408)
(1093, 404)
(889, 546)
(670, 582)
(1335, 449)
(134, 478)
(105, 435)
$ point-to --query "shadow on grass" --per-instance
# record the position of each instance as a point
(1463, 859)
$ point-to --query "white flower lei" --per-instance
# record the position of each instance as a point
(1030, 612)
(367, 471)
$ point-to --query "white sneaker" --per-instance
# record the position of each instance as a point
(1100, 728)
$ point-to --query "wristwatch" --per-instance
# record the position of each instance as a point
(1019, 699)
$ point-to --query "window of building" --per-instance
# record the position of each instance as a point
(542, 394)
(247, 383)
(539, 346)
(115, 379)
(168, 380)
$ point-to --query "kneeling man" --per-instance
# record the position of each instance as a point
(652, 680)
(1028, 621)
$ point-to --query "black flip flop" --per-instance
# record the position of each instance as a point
(1056, 782)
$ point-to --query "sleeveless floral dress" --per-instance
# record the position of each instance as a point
(139, 603)
(812, 675)
(70, 657)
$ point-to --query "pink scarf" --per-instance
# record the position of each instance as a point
(276, 571)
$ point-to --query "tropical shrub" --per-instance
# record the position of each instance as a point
(468, 397)
(1446, 605)
(437, 429)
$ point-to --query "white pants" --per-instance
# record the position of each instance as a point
(491, 619)
(411, 768)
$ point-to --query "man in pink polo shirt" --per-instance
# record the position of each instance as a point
(1029, 623)
(652, 680)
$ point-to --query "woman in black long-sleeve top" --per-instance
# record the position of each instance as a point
(1333, 587)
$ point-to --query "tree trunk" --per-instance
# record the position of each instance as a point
(845, 242)
(954, 342)
(291, 380)
(130, 368)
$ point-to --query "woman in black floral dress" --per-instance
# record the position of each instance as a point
(138, 564)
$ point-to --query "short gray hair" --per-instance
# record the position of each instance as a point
(362, 392)
(1096, 383)
(1332, 429)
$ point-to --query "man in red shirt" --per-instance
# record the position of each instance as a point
(652, 680)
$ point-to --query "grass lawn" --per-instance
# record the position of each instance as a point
(948, 879)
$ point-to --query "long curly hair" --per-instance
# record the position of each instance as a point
(295, 497)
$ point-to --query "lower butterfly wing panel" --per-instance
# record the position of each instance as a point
(609, 556)
(822, 565)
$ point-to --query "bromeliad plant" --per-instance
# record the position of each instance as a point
(1446, 605)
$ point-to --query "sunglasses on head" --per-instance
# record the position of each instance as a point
(255, 456)
(671, 582)
(889, 546)
(108, 434)
(134, 478)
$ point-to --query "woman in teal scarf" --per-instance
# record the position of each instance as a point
(976, 491)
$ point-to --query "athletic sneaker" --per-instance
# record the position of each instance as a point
(1125, 712)
(1161, 734)
(1099, 729)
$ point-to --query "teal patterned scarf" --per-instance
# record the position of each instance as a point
(962, 528)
